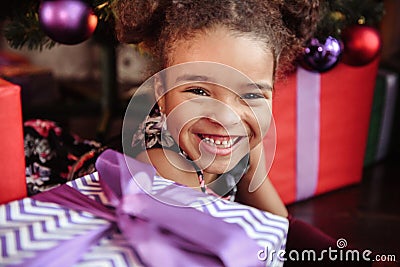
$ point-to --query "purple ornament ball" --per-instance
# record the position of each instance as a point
(67, 21)
(321, 55)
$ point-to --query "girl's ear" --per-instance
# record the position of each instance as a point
(159, 91)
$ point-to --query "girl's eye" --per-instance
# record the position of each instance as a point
(252, 96)
(198, 91)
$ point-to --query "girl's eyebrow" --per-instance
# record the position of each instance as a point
(203, 78)
(194, 78)
(262, 86)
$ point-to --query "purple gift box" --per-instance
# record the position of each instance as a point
(108, 218)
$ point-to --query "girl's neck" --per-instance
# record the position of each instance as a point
(209, 177)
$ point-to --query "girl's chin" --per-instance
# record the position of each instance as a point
(217, 166)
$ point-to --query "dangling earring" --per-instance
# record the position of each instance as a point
(163, 120)
(166, 138)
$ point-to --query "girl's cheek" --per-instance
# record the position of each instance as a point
(261, 122)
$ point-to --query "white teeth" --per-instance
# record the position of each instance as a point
(223, 143)
(209, 140)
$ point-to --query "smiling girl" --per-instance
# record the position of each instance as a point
(216, 125)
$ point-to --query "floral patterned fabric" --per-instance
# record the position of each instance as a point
(53, 156)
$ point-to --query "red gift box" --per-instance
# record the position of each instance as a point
(12, 157)
(322, 125)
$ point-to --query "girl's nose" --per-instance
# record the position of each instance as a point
(223, 114)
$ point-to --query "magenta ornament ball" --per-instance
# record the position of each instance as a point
(67, 21)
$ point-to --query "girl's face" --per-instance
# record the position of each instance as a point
(218, 105)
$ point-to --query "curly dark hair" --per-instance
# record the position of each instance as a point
(283, 25)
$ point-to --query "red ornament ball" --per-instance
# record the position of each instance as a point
(67, 21)
(362, 45)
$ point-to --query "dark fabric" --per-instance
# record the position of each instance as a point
(303, 237)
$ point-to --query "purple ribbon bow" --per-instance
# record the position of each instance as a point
(161, 234)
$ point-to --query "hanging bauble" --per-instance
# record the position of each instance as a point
(321, 55)
(67, 21)
(362, 44)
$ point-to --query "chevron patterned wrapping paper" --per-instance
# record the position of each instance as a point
(29, 227)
